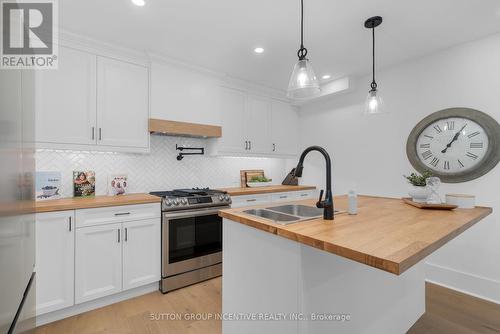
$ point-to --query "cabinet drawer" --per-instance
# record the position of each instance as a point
(307, 194)
(283, 197)
(115, 214)
(249, 200)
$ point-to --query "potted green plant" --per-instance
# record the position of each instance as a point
(259, 181)
(419, 191)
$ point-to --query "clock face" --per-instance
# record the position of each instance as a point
(452, 145)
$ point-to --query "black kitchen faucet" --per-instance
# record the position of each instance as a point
(327, 204)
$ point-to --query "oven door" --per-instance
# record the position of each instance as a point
(191, 240)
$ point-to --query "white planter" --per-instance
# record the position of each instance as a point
(259, 184)
(419, 194)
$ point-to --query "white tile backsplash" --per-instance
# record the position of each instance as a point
(158, 170)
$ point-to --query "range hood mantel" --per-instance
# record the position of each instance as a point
(183, 129)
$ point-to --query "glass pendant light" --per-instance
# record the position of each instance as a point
(374, 103)
(303, 83)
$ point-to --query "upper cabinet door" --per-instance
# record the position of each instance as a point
(65, 100)
(122, 104)
(232, 107)
(284, 128)
(257, 124)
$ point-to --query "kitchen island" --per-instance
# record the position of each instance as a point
(357, 274)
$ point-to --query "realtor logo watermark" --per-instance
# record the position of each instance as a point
(29, 34)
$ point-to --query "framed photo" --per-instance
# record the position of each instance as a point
(83, 183)
(117, 184)
(47, 185)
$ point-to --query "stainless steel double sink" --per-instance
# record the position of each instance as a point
(287, 214)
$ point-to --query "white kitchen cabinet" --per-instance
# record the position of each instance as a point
(283, 197)
(141, 255)
(98, 262)
(249, 200)
(284, 128)
(257, 120)
(65, 100)
(233, 110)
(122, 104)
(55, 246)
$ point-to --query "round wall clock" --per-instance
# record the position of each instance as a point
(456, 144)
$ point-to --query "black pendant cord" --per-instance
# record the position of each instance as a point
(373, 84)
(302, 53)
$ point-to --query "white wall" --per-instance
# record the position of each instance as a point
(369, 155)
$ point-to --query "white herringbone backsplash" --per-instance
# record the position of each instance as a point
(158, 170)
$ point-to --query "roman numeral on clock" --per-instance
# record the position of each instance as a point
(476, 145)
(450, 125)
(427, 154)
(435, 162)
(472, 155)
(425, 145)
(437, 128)
(446, 165)
(460, 163)
(473, 134)
(430, 137)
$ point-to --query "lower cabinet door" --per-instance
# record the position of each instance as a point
(98, 265)
(141, 252)
(55, 262)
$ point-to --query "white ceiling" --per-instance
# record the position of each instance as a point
(221, 34)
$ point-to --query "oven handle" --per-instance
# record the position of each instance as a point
(193, 213)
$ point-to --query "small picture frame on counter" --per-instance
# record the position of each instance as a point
(117, 184)
(47, 185)
(84, 183)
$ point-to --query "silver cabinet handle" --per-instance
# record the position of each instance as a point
(118, 235)
(93, 133)
(70, 223)
(246, 144)
(250, 145)
(122, 213)
(251, 200)
(100, 133)
(304, 195)
(274, 147)
(284, 196)
(126, 234)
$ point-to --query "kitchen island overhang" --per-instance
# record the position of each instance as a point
(272, 268)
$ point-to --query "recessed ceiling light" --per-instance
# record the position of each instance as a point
(258, 50)
(139, 3)
(326, 76)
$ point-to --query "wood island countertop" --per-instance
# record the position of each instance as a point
(264, 190)
(386, 233)
(94, 202)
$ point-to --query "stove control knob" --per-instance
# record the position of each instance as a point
(184, 201)
(175, 201)
(168, 202)
(221, 198)
(227, 198)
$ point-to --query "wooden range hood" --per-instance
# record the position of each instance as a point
(183, 129)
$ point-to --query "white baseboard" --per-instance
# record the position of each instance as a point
(94, 304)
(477, 286)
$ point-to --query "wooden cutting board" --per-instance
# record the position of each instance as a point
(442, 206)
(247, 174)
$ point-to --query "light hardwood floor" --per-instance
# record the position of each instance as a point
(448, 311)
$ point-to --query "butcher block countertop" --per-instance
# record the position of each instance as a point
(94, 202)
(264, 190)
(386, 233)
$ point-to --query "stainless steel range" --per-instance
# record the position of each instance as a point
(191, 236)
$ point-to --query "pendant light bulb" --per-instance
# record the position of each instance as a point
(303, 82)
(374, 103)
